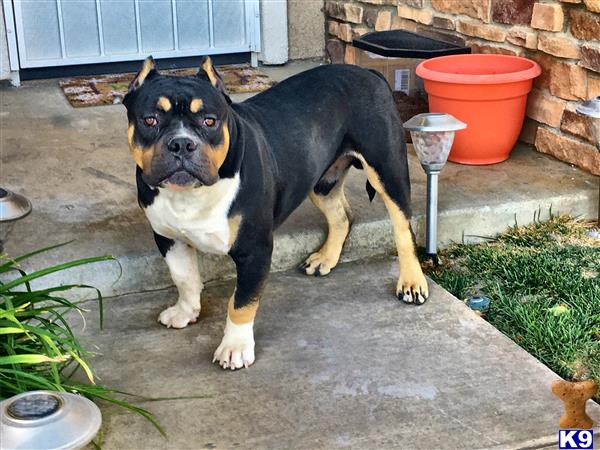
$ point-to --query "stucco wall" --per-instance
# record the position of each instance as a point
(306, 29)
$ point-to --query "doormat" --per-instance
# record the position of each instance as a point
(110, 89)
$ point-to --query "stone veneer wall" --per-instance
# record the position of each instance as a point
(562, 36)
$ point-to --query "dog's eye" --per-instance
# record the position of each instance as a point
(150, 121)
(210, 122)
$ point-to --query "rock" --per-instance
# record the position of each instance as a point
(424, 16)
(335, 51)
(547, 16)
(350, 55)
(480, 47)
(529, 131)
(568, 149)
(333, 27)
(593, 86)
(592, 5)
(349, 12)
(578, 125)
(512, 12)
(478, 9)
(560, 46)
(522, 37)
(568, 81)
(444, 23)
(384, 21)
(590, 57)
(398, 23)
(545, 109)
(413, 3)
(481, 30)
(584, 25)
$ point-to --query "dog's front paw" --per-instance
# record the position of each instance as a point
(318, 264)
(237, 347)
(412, 286)
(178, 316)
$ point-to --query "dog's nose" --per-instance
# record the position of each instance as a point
(180, 145)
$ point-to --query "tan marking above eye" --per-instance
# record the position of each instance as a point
(163, 103)
(196, 105)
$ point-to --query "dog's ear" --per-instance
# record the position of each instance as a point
(147, 72)
(208, 72)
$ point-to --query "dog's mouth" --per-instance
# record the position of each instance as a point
(180, 179)
(179, 175)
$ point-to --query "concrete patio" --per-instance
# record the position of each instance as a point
(75, 167)
(340, 364)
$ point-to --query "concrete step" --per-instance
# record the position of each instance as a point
(75, 167)
(474, 202)
(340, 364)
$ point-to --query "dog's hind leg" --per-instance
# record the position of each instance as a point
(332, 202)
(395, 192)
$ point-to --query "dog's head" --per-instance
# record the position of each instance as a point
(179, 127)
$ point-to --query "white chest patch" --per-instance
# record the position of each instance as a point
(197, 217)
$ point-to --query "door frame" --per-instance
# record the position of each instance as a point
(12, 11)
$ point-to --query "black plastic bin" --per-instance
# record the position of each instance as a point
(396, 54)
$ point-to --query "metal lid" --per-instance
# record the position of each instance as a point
(48, 420)
(432, 122)
(590, 107)
(13, 206)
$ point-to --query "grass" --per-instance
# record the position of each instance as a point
(38, 348)
(544, 284)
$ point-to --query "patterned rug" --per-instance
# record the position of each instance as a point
(110, 89)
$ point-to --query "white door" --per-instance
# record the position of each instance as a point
(68, 32)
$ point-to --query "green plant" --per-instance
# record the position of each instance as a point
(544, 284)
(38, 349)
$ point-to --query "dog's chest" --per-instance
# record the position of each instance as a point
(197, 217)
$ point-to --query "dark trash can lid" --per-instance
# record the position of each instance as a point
(404, 44)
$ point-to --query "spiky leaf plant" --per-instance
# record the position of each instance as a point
(38, 349)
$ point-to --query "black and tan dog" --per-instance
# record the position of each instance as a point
(221, 177)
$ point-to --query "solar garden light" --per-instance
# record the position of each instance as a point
(12, 208)
(591, 108)
(48, 420)
(432, 136)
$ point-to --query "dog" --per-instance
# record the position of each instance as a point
(220, 177)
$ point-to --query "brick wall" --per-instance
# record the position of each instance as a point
(562, 36)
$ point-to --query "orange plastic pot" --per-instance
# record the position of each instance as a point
(488, 93)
